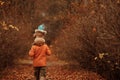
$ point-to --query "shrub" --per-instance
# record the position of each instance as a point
(15, 26)
(91, 37)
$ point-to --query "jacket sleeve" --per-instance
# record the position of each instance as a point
(48, 51)
(31, 52)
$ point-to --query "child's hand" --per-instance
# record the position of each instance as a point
(34, 35)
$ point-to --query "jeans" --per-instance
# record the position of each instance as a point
(39, 72)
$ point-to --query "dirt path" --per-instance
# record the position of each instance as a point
(57, 70)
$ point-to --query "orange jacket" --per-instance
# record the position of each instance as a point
(39, 54)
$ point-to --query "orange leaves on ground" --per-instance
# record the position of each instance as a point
(62, 73)
(56, 70)
(25, 72)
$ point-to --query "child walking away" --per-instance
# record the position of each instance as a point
(39, 52)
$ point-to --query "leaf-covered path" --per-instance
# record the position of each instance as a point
(57, 70)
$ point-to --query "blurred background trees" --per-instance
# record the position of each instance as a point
(86, 32)
(90, 36)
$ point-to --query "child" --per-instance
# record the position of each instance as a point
(39, 52)
(39, 33)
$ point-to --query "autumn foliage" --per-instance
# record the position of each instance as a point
(86, 32)
(90, 36)
(14, 30)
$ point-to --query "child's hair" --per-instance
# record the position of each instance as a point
(41, 31)
(38, 34)
(39, 41)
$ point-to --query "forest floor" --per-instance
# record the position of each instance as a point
(56, 70)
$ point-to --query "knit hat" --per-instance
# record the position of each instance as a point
(41, 29)
(39, 40)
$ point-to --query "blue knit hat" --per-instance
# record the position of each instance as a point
(41, 27)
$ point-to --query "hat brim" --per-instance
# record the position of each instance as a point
(42, 31)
